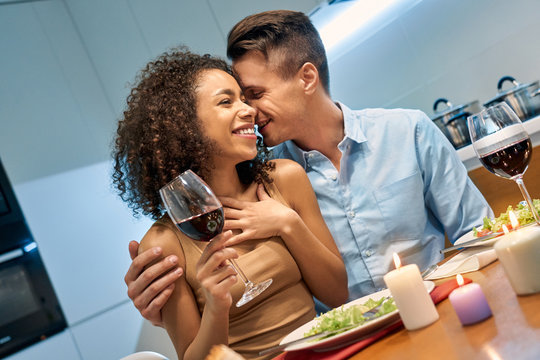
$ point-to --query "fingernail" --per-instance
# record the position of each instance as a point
(178, 271)
(173, 259)
(157, 250)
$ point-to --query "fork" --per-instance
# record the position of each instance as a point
(371, 313)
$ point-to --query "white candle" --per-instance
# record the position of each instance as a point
(415, 306)
(469, 302)
(519, 253)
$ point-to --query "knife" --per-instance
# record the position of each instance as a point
(473, 241)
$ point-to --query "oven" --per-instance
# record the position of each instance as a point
(29, 308)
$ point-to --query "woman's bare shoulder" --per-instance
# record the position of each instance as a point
(291, 180)
(162, 235)
(286, 169)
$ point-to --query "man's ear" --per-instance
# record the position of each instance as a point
(309, 76)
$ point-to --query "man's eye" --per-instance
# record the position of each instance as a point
(255, 94)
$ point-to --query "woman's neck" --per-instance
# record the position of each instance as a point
(224, 181)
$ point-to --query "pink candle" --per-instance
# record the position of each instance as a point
(469, 302)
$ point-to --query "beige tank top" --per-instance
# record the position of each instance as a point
(265, 320)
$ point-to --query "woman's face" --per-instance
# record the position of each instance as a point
(225, 117)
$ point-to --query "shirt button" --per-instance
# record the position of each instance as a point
(368, 253)
(310, 156)
(352, 214)
(333, 177)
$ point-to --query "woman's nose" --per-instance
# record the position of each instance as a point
(248, 111)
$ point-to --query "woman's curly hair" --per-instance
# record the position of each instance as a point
(159, 136)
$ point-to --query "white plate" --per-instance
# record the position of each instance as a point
(469, 236)
(351, 335)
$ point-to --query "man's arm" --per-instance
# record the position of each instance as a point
(449, 191)
(150, 286)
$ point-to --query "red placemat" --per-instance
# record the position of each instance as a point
(438, 294)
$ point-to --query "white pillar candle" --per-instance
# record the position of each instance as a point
(519, 253)
(415, 306)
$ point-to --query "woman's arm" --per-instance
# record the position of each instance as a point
(301, 227)
(308, 238)
(192, 334)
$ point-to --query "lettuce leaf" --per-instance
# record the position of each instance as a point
(351, 316)
(521, 211)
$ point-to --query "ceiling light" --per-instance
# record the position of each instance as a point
(343, 25)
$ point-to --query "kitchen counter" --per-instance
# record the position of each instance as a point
(468, 156)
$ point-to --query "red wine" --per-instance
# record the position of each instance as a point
(509, 161)
(203, 227)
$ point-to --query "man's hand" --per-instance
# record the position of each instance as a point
(148, 294)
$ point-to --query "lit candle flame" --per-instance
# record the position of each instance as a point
(505, 229)
(397, 261)
(459, 279)
(513, 219)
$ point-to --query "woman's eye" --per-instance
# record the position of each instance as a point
(225, 102)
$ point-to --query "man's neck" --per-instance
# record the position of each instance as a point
(325, 129)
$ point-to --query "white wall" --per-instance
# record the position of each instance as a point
(455, 49)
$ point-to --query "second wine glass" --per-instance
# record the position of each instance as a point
(503, 146)
(197, 212)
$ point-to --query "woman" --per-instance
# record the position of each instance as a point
(188, 112)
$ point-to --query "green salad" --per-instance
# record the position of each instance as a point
(521, 211)
(341, 317)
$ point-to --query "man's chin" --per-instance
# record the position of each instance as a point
(269, 142)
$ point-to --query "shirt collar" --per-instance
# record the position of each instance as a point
(352, 124)
(352, 131)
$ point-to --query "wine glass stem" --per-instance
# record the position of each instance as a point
(525, 193)
(240, 273)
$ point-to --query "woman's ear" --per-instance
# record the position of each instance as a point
(309, 76)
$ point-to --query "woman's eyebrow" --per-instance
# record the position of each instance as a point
(224, 91)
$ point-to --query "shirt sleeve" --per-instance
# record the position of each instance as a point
(449, 193)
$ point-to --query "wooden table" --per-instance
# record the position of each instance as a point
(513, 332)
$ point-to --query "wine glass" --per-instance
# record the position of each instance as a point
(503, 145)
(196, 211)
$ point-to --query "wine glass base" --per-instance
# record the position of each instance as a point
(252, 290)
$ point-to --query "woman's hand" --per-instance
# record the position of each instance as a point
(215, 274)
(256, 220)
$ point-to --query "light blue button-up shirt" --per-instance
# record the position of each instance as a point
(400, 187)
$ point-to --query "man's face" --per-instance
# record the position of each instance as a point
(279, 103)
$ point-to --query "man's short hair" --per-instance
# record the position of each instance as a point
(286, 38)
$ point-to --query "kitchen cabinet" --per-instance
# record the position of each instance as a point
(58, 347)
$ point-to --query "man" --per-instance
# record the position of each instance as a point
(386, 180)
